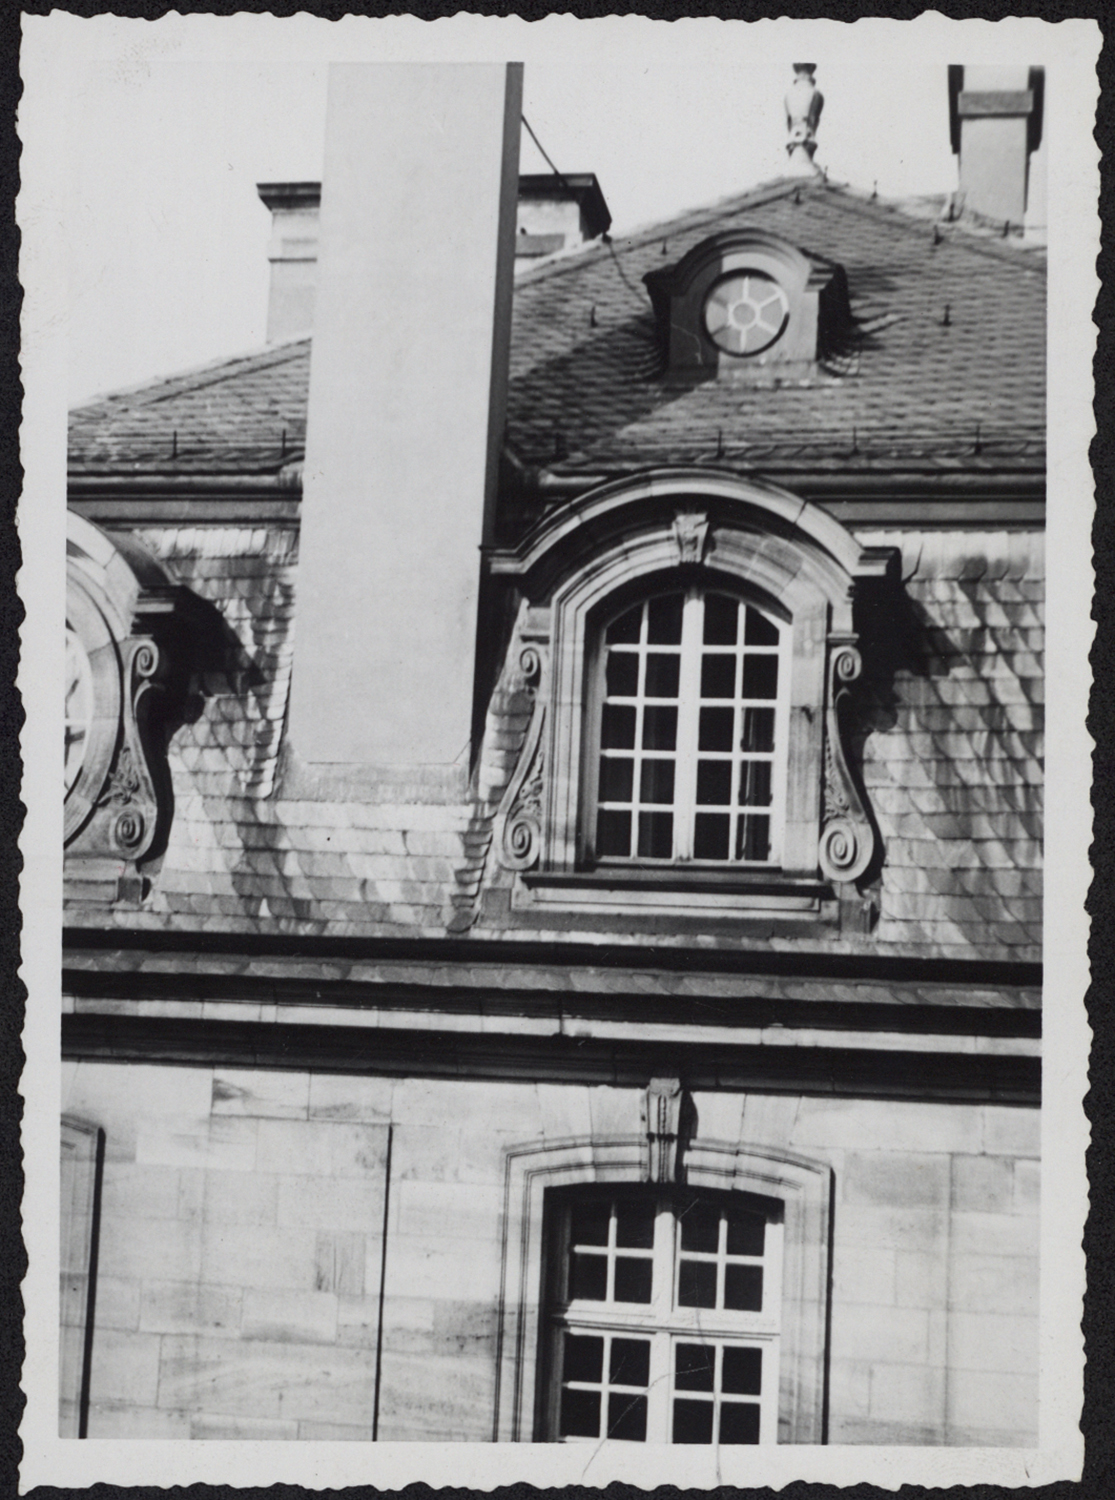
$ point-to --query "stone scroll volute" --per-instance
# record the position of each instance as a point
(848, 839)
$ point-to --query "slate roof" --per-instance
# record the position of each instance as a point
(586, 387)
(951, 755)
(949, 735)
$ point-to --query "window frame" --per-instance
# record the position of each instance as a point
(802, 1184)
(684, 805)
(663, 1322)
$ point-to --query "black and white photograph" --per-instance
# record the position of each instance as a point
(540, 830)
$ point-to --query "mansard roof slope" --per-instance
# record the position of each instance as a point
(951, 752)
(944, 373)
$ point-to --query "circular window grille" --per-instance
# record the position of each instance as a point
(746, 313)
(79, 706)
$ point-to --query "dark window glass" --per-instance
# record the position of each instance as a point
(580, 1413)
(617, 727)
(710, 836)
(656, 835)
(629, 1362)
(746, 1232)
(700, 1227)
(759, 631)
(758, 729)
(588, 1278)
(743, 1287)
(697, 1283)
(760, 677)
(633, 1279)
(721, 620)
(656, 781)
(616, 778)
(742, 1373)
(753, 837)
(664, 620)
(718, 676)
(662, 674)
(754, 783)
(627, 1417)
(635, 1225)
(739, 1422)
(716, 729)
(613, 832)
(622, 674)
(626, 628)
(588, 1223)
(660, 727)
(694, 1367)
(584, 1357)
(692, 1422)
(714, 783)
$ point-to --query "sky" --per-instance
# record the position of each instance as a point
(171, 124)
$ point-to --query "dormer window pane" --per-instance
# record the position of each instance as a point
(760, 676)
(660, 727)
(623, 674)
(664, 620)
(721, 620)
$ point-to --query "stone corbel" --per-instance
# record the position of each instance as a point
(847, 833)
(125, 811)
(517, 834)
(665, 1111)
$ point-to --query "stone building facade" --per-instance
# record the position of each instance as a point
(665, 1066)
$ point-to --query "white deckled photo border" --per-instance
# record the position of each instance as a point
(56, 49)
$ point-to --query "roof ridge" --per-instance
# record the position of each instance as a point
(842, 194)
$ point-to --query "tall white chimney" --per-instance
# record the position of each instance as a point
(407, 398)
(995, 119)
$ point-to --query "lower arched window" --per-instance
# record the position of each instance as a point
(687, 733)
(663, 1316)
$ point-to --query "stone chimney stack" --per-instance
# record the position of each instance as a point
(293, 255)
(408, 379)
(804, 102)
(995, 120)
(555, 213)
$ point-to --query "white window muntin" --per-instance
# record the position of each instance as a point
(643, 1392)
(689, 759)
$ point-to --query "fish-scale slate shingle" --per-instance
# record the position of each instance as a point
(949, 726)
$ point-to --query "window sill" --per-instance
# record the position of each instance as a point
(673, 892)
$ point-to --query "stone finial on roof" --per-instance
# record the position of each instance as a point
(804, 102)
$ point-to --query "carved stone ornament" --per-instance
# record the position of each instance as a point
(117, 801)
(691, 535)
(804, 102)
(518, 824)
(847, 834)
(662, 1111)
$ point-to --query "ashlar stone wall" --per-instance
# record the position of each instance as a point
(241, 1251)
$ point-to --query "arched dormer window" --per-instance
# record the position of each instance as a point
(689, 641)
